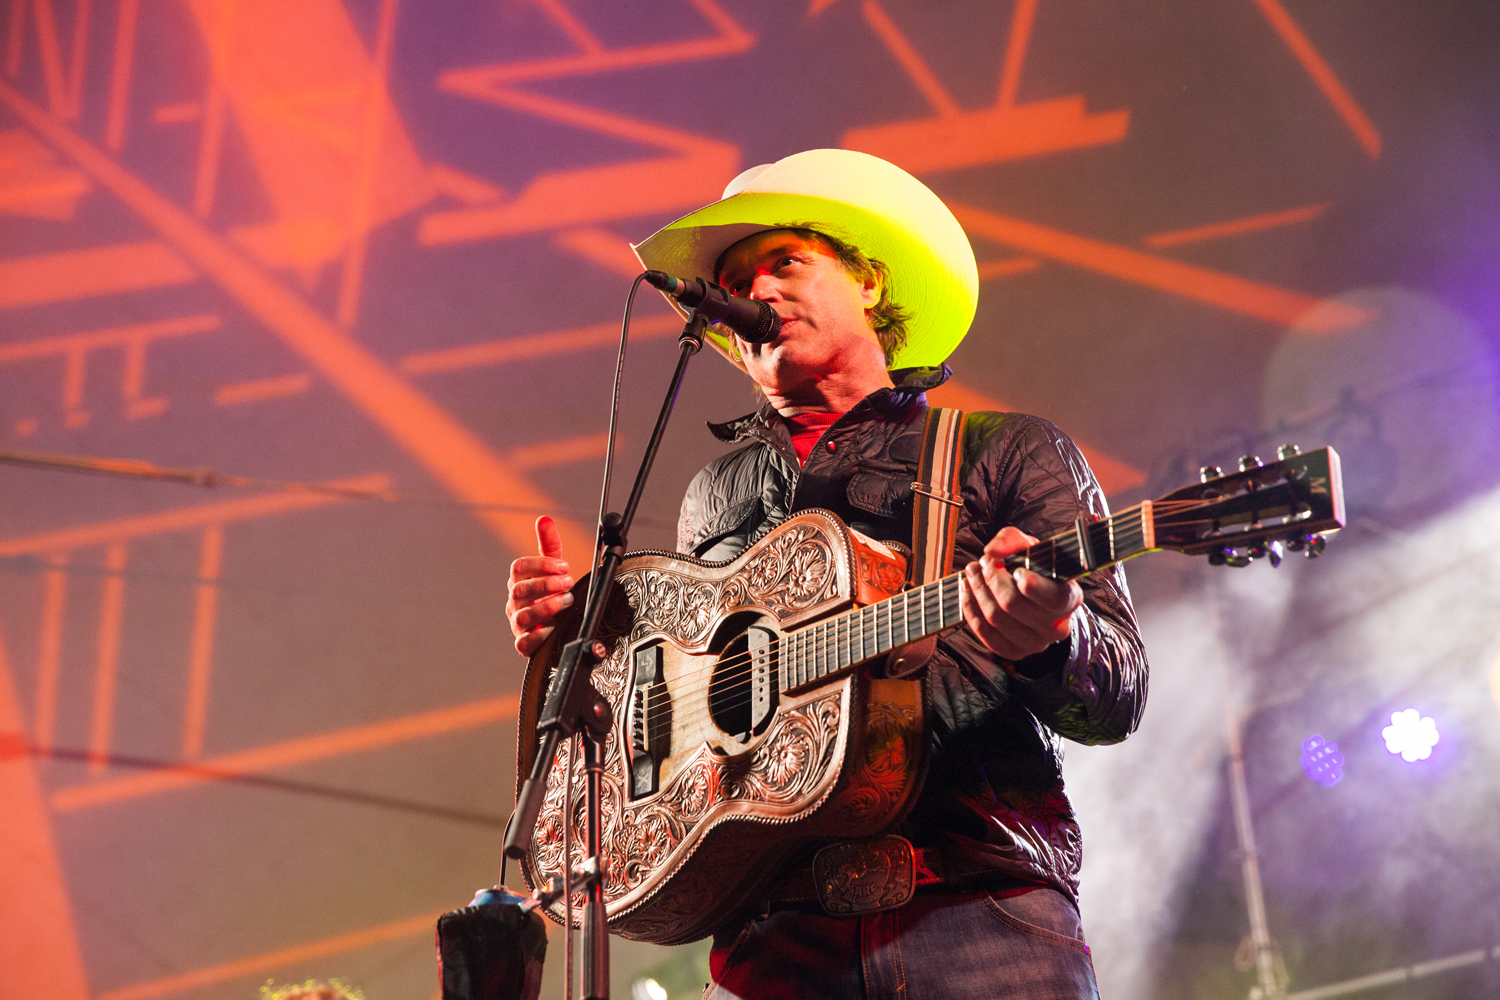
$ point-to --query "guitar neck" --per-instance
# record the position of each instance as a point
(835, 645)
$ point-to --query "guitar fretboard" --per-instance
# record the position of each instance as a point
(836, 644)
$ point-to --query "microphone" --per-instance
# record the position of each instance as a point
(755, 321)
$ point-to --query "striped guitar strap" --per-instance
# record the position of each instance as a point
(936, 497)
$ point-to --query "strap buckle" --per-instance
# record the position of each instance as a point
(941, 496)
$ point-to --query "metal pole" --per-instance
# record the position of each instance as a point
(595, 925)
(1260, 932)
(1405, 974)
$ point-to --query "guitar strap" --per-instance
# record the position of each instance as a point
(937, 499)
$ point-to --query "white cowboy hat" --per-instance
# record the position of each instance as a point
(855, 197)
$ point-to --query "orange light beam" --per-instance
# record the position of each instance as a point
(727, 27)
(79, 59)
(364, 184)
(113, 336)
(1015, 52)
(551, 453)
(211, 135)
(258, 964)
(465, 465)
(75, 274)
(111, 613)
(14, 39)
(262, 388)
(338, 743)
(572, 27)
(39, 950)
(1364, 131)
(494, 352)
(201, 646)
(731, 39)
(595, 120)
(601, 247)
(49, 652)
(52, 71)
(910, 61)
(1234, 227)
(122, 69)
(541, 69)
(185, 518)
(1006, 268)
(1224, 291)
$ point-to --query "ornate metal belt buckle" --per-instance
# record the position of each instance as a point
(865, 876)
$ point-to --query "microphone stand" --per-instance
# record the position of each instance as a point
(573, 704)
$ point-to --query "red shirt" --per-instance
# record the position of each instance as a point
(806, 430)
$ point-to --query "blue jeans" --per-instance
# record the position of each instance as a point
(937, 947)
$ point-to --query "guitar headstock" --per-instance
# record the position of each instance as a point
(1256, 511)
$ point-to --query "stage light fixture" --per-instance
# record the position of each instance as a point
(1322, 761)
(1411, 734)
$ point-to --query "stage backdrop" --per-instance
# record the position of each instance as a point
(259, 732)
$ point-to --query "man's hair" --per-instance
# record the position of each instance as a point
(886, 318)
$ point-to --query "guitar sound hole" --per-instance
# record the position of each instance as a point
(729, 692)
(742, 694)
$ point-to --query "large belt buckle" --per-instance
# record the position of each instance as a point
(865, 876)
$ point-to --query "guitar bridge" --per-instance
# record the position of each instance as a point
(650, 721)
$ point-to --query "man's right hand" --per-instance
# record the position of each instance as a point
(539, 588)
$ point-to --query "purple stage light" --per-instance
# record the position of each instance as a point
(1411, 734)
(1322, 761)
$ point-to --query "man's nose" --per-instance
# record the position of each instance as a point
(763, 288)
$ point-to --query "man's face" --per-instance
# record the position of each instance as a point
(822, 308)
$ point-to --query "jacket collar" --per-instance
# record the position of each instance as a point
(910, 383)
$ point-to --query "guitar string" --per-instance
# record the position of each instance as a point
(839, 646)
(870, 629)
(836, 642)
(735, 673)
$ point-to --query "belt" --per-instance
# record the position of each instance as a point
(866, 876)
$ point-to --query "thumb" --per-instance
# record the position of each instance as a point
(1009, 541)
(548, 538)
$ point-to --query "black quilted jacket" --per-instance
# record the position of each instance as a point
(993, 797)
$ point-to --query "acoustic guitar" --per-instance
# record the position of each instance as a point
(744, 728)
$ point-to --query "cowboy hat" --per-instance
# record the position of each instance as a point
(859, 199)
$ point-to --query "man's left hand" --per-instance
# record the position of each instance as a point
(1015, 614)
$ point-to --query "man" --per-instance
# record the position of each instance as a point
(875, 283)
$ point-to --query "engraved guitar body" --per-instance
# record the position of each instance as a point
(717, 766)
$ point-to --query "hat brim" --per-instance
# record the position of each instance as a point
(859, 199)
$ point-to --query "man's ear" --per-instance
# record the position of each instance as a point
(869, 291)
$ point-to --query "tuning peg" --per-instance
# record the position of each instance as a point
(1315, 546)
(1263, 550)
(1248, 462)
(1226, 557)
(1287, 451)
(1209, 472)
